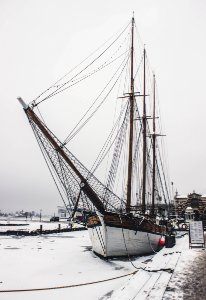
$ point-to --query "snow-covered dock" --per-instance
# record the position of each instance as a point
(167, 275)
(151, 281)
(35, 227)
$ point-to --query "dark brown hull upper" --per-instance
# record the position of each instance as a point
(127, 222)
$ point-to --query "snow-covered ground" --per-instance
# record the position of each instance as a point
(58, 260)
(64, 259)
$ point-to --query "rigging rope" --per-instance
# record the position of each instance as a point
(62, 85)
(118, 149)
(78, 80)
(70, 136)
(101, 157)
(47, 163)
(165, 182)
(77, 65)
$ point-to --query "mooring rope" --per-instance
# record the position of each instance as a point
(66, 286)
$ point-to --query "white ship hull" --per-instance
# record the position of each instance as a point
(110, 241)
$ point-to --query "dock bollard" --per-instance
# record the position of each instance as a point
(170, 241)
(59, 227)
(41, 228)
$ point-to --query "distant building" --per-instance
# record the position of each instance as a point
(63, 212)
(196, 202)
(66, 213)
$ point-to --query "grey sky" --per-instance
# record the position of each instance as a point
(41, 40)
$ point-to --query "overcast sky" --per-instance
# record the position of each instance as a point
(42, 39)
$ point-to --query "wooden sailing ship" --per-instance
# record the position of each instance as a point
(119, 225)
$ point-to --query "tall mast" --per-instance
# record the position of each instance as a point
(153, 149)
(144, 123)
(131, 100)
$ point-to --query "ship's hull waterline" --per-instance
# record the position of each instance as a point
(118, 235)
